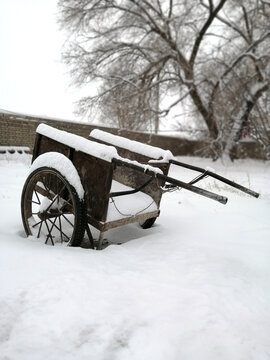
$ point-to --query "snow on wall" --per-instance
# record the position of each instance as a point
(132, 145)
(61, 163)
(14, 149)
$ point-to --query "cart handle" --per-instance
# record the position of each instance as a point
(195, 189)
(216, 176)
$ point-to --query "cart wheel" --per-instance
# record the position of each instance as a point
(148, 223)
(51, 207)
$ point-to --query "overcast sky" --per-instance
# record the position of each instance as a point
(32, 78)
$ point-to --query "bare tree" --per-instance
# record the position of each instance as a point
(126, 109)
(144, 44)
(245, 77)
(138, 49)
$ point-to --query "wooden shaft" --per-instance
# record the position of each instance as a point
(216, 176)
(195, 189)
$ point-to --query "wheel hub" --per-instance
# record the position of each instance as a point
(48, 215)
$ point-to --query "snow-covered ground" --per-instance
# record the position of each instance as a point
(195, 286)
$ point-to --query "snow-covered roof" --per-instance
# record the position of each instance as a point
(79, 143)
(150, 151)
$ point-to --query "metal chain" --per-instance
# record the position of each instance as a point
(113, 201)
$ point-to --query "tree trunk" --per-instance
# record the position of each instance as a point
(206, 115)
(237, 131)
(157, 108)
(240, 122)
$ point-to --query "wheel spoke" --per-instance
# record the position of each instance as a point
(36, 224)
(49, 191)
(57, 187)
(49, 235)
(39, 230)
(68, 220)
(53, 200)
(38, 199)
(44, 184)
(68, 237)
(60, 226)
(66, 203)
(53, 224)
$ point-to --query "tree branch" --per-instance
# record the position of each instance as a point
(211, 17)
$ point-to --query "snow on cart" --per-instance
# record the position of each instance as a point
(105, 181)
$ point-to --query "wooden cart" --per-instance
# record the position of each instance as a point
(76, 182)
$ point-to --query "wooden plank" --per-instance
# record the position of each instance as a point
(96, 178)
(45, 144)
(121, 222)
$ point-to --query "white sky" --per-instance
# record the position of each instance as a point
(32, 78)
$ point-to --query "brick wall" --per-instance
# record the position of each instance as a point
(19, 130)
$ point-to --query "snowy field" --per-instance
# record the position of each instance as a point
(195, 286)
